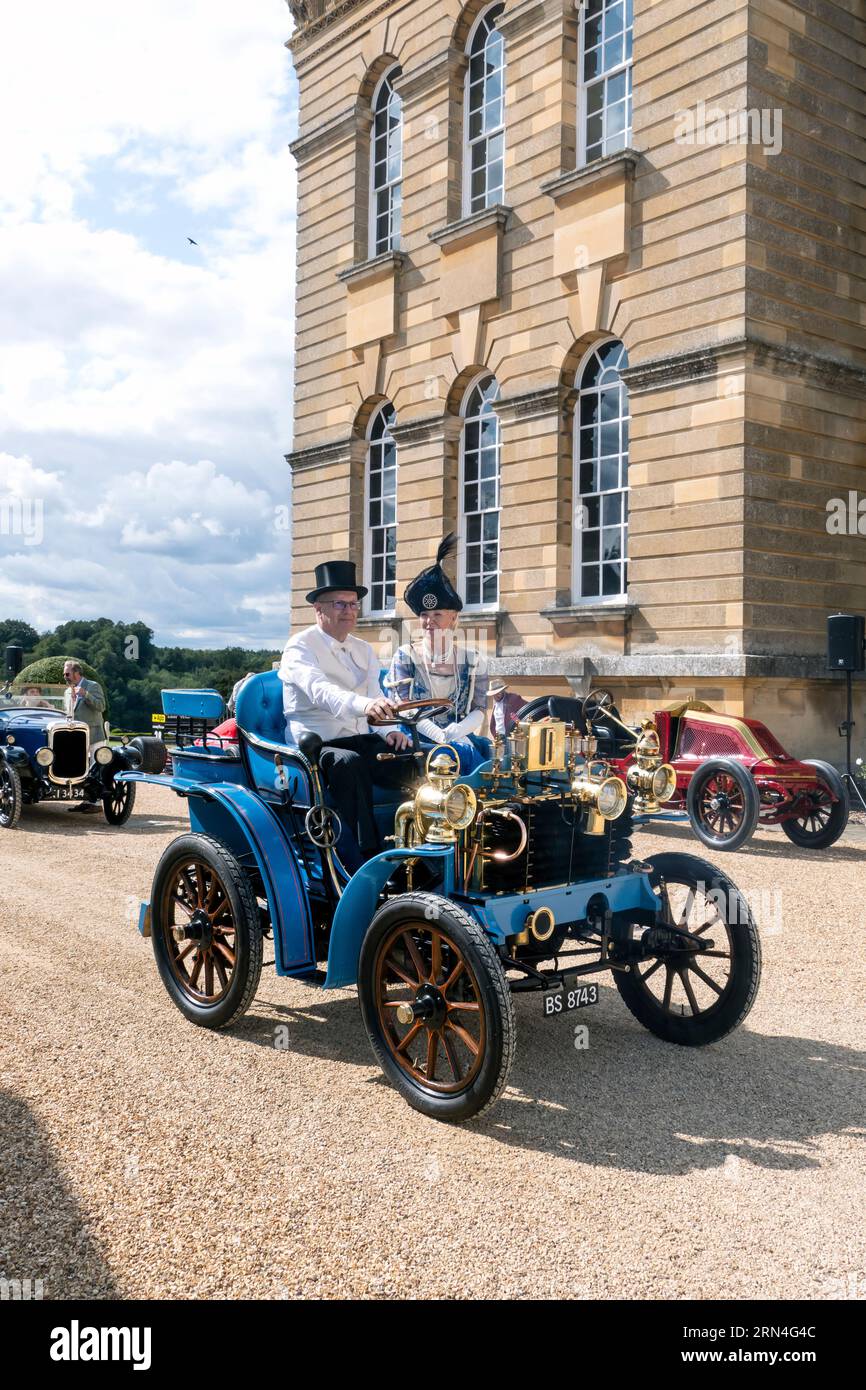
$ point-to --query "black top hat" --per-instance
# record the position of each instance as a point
(335, 574)
(432, 588)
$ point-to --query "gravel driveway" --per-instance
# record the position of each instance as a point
(143, 1157)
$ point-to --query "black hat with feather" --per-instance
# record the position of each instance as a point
(432, 588)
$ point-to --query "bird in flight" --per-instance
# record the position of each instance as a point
(191, 242)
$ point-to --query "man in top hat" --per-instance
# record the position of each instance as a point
(331, 687)
(503, 711)
(438, 664)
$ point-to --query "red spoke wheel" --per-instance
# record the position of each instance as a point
(823, 814)
(723, 804)
(686, 996)
(436, 1005)
(119, 802)
(205, 928)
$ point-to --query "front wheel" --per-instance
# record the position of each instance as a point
(206, 934)
(436, 1005)
(826, 813)
(11, 796)
(118, 803)
(687, 997)
(723, 804)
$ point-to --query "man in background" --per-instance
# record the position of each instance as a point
(84, 701)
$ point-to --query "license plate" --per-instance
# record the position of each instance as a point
(562, 1001)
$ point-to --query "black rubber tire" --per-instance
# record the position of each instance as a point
(117, 808)
(837, 820)
(478, 950)
(12, 796)
(741, 987)
(248, 937)
(746, 787)
(147, 754)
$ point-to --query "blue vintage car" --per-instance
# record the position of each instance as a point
(45, 756)
(517, 878)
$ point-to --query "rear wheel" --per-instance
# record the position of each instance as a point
(206, 934)
(688, 997)
(723, 804)
(118, 803)
(824, 818)
(10, 796)
(436, 1006)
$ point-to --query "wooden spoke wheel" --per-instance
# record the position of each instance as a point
(118, 803)
(11, 796)
(687, 995)
(206, 934)
(723, 804)
(436, 1005)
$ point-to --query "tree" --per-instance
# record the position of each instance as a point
(16, 630)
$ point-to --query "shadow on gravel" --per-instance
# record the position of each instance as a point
(781, 848)
(43, 1234)
(40, 820)
(631, 1102)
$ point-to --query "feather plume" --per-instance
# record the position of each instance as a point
(446, 547)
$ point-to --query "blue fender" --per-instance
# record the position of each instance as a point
(357, 907)
(239, 819)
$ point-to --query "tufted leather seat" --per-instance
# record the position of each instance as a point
(260, 717)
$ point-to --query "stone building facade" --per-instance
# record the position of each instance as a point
(561, 260)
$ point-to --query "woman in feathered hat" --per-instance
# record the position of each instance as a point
(436, 662)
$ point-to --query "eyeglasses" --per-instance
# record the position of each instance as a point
(343, 605)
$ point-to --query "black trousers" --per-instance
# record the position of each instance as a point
(351, 770)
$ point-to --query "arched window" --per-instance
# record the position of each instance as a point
(386, 167)
(484, 115)
(479, 495)
(380, 513)
(601, 422)
(604, 120)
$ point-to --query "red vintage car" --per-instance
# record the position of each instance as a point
(731, 774)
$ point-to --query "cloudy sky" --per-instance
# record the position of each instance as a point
(145, 383)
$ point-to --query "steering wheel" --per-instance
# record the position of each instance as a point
(597, 702)
(410, 711)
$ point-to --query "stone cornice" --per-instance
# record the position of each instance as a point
(577, 180)
(546, 401)
(320, 455)
(343, 126)
(389, 262)
(427, 429)
(436, 72)
(676, 369)
(467, 227)
(314, 17)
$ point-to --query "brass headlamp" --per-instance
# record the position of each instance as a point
(442, 805)
(649, 778)
(605, 797)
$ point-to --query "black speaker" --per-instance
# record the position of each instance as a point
(846, 642)
(14, 660)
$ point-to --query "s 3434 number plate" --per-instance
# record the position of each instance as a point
(562, 1001)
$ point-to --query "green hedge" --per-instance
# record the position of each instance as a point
(49, 671)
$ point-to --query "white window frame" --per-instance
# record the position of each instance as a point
(577, 597)
(394, 241)
(368, 610)
(583, 86)
(481, 607)
(487, 135)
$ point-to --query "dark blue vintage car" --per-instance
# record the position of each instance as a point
(45, 756)
(517, 878)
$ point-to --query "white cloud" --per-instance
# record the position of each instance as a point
(145, 384)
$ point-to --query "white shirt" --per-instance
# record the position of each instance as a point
(328, 685)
